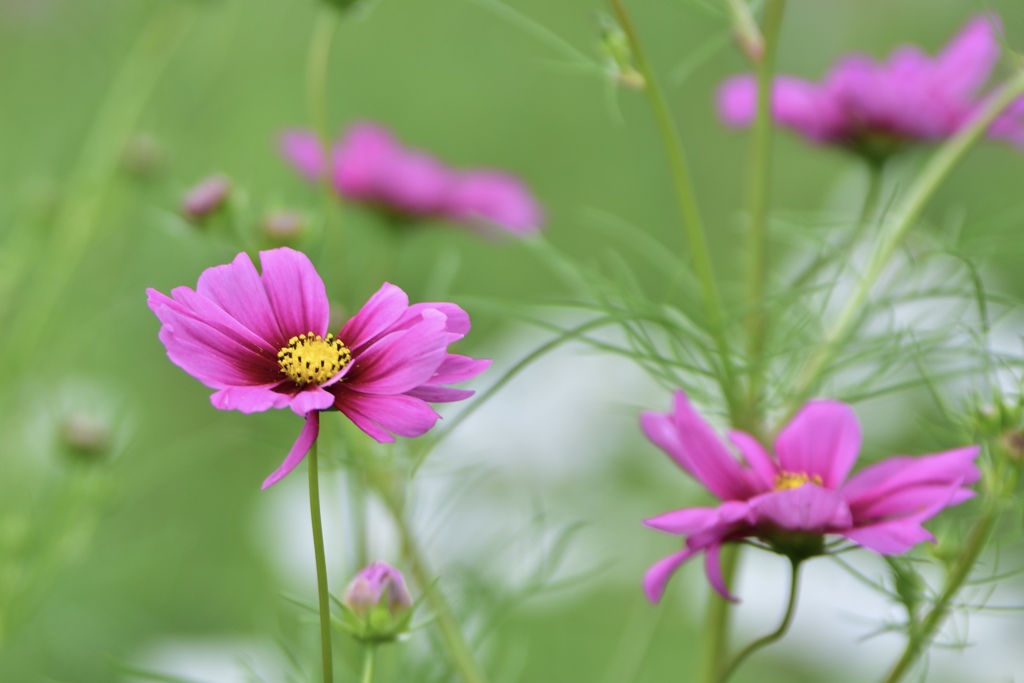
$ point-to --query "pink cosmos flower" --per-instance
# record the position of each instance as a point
(372, 584)
(873, 108)
(262, 342)
(793, 500)
(371, 167)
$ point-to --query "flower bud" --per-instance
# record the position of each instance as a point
(284, 227)
(143, 156)
(619, 54)
(377, 604)
(378, 584)
(206, 197)
(85, 436)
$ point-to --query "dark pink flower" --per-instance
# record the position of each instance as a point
(262, 342)
(793, 500)
(375, 583)
(371, 167)
(874, 108)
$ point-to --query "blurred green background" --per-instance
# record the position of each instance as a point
(165, 537)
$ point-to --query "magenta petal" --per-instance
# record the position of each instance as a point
(684, 522)
(250, 399)
(401, 361)
(416, 183)
(296, 292)
(310, 430)
(457, 319)
(436, 394)
(455, 368)
(363, 161)
(497, 199)
(713, 569)
(823, 439)
(756, 456)
(658, 575)
(400, 415)
(890, 538)
(376, 317)
(359, 419)
(967, 62)
(237, 288)
(311, 399)
(304, 151)
(737, 101)
(807, 508)
(693, 444)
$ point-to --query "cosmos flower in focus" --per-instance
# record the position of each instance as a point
(792, 500)
(369, 166)
(875, 108)
(261, 341)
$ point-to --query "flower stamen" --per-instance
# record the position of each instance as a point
(312, 359)
(785, 481)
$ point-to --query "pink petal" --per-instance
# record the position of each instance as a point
(436, 394)
(304, 151)
(310, 430)
(807, 508)
(455, 368)
(823, 439)
(693, 444)
(658, 575)
(375, 318)
(713, 569)
(872, 485)
(237, 288)
(204, 351)
(310, 399)
(756, 456)
(416, 183)
(890, 538)
(363, 161)
(967, 62)
(494, 198)
(401, 361)
(296, 292)
(457, 319)
(684, 522)
(252, 399)
(737, 101)
(400, 415)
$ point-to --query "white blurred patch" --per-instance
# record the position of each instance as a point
(212, 660)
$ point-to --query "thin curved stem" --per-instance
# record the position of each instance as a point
(321, 566)
(922, 634)
(369, 655)
(890, 238)
(458, 649)
(775, 635)
(317, 69)
(693, 225)
(760, 181)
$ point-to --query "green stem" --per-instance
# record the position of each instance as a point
(692, 222)
(760, 180)
(775, 635)
(321, 566)
(458, 650)
(369, 655)
(922, 634)
(867, 213)
(716, 621)
(746, 30)
(892, 235)
(317, 68)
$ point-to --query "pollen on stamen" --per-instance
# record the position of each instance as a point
(312, 359)
(785, 481)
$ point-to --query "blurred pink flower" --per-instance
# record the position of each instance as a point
(874, 108)
(261, 341)
(791, 501)
(371, 167)
(206, 197)
(372, 584)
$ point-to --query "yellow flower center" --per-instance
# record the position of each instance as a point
(312, 359)
(794, 480)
